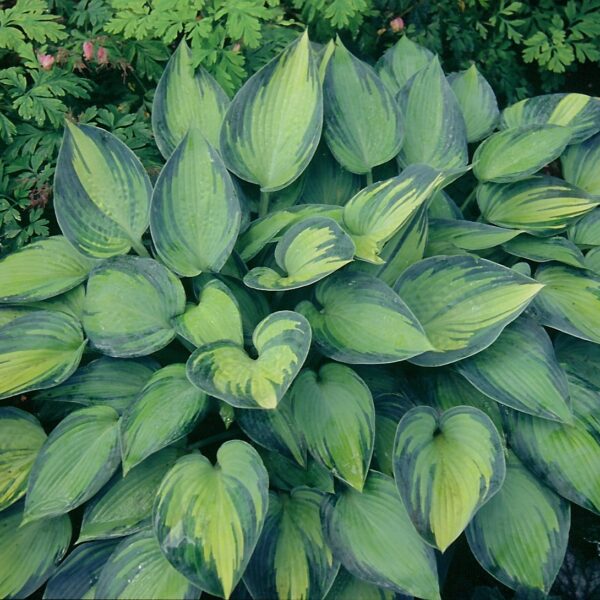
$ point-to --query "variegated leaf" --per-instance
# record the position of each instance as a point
(580, 164)
(586, 231)
(101, 193)
(225, 370)
(285, 95)
(545, 250)
(208, 518)
(358, 319)
(592, 260)
(463, 303)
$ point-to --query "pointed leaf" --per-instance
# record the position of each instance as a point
(129, 305)
(580, 164)
(77, 459)
(291, 559)
(38, 350)
(224, 369)
(463, 303)
(520, 536)
(545, 250)
(208, 518)
(195, 214)
(359, 319)
(186, 98)
(363, 125)
(167, 408)
(284, 96)
(371, 534)
(101, 192)
(308, 251)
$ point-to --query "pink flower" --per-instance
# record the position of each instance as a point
(397, 24)
(88, 50)
(102, 56)
(236, 48)
(46, 61)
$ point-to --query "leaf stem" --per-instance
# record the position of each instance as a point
(370, 177)
(263, 207)
(140, 249)
(226, 435)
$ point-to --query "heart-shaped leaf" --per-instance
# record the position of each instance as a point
(540, 205)
(41, 270)
(359, 319)
(520, 370)
(518, 152)
(363, 125)
(124, 505)
(186, 98)
(29, 553)
(578, 112)
(78, 458)
(446, 467)
(334, 410)
(38, 350)
(545, 249)
(520, 536)
(371, 534)
(463, 303)
(21, 437)
(167, 408)
(477, 102)
(291, 559)
(580, 164)
(586, 231)
(224, 369)
(208, 518)
(376, 213)
(195, 214)
(138, 569)
(101, 193)
(129, 306)
(435, 131)
(285, 95)
(308, 251)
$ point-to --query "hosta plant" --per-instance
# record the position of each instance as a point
(355, 317)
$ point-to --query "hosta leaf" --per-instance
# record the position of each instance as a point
(38, 350)
(520, 370)
(78, 573)
(291, 559)
(520, 536)
(70, 302)
(101, 192)
(334, 410)
(285, 95)
(446, 467)
(463, 303)
(545, 250)
(477, 102)
(570, 301)
(376, 213)
(435, 131)
(224, 369)
(167, 408)
(359, 319)
(286, 475)
(29, 553)
(586, 231)
(186, 98)
(195, 214)
(578, 112)
(578, 357)
(124, 505)
(129, 305)
(21, 437)
(208, 518)
(518, 152)
(216, 316)
(363, 125)
(403, 249)
(592, 260)
(275, 430)
(580, 164)
(42, 270)
(108, 381)
(540, 205)
(564, 457)
(308, 251)
(348, 587)
(138, 569)
(77, 459)
(401, 62)
(371, 534)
